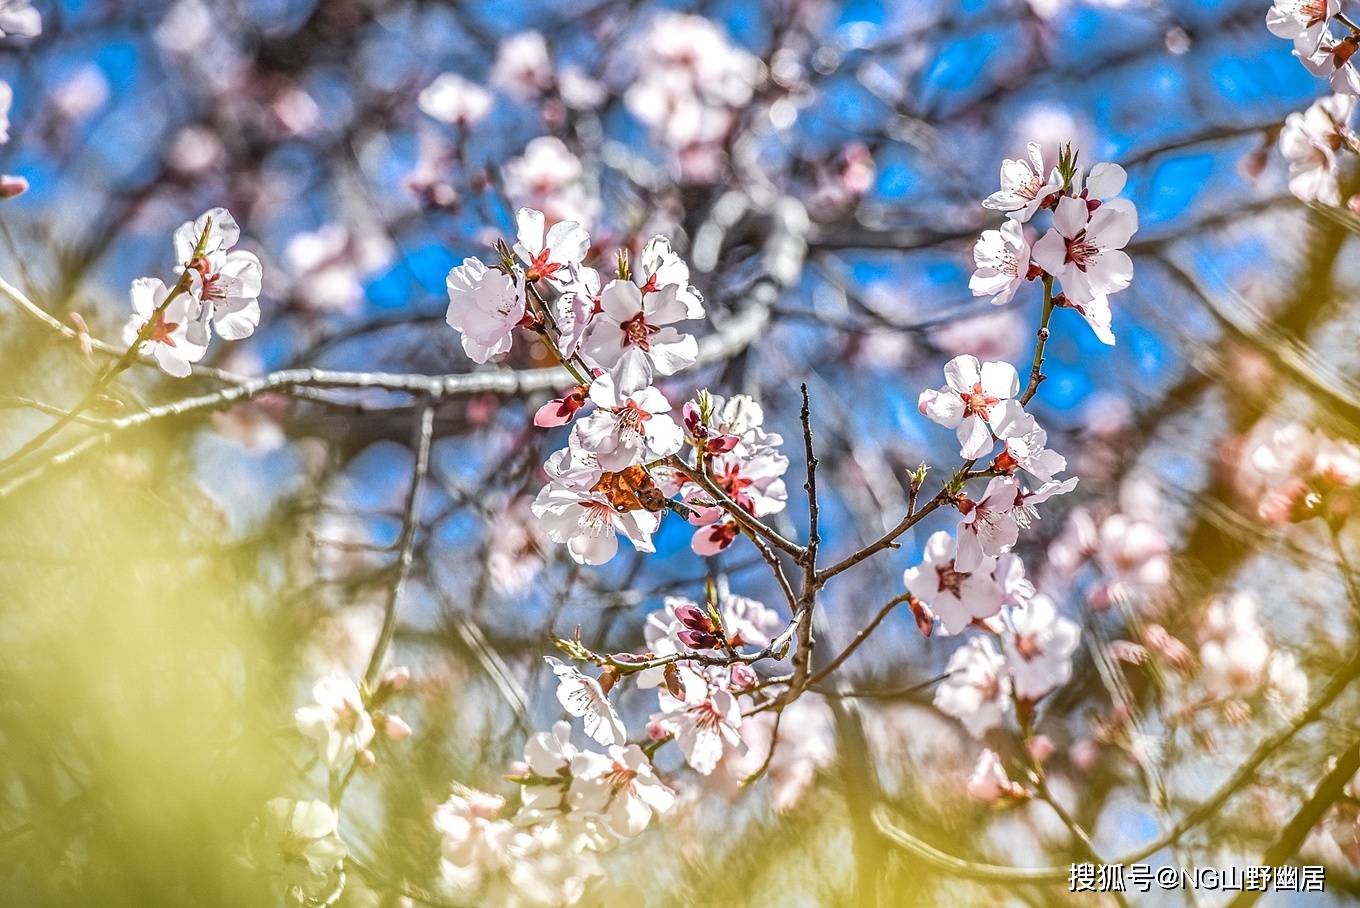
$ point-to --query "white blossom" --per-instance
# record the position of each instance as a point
(1025, 443)
(168, 338)
(977, 691)
(989, 526)
(1085, 251)
(1024, 185)
(1039, 648)
(1310, 141)
(989, 781)
(303, 846)
(620, 785)
(1002, 260)
(976, 398)
(18, 19)
(338, 720)
(1303, 21)
(549, 254)
(631, 338)
(956, 597)
(582, 697)
(224, 282)
(485, 306)
(452, 99)
(523, 67)
(706, 723)
(589, 524)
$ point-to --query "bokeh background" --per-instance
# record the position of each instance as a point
(169, 594)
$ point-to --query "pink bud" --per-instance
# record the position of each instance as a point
(396, 679)
(657, 731)
(1084, 754)
(396, 728)
(1041, 747)
(743, 677)
(11, 186)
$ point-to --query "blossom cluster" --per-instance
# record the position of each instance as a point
(1083, 249)
(1325, 41)
(971, 578)
(1300, 473)
(217, 291)
(618, 336)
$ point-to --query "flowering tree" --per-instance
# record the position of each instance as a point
(557, 461)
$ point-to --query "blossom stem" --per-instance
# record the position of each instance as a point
(1036, 374)
(736, 511)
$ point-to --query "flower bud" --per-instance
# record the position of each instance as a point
(395, 728)
(11, 186)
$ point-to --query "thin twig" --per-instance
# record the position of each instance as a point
(407, 541)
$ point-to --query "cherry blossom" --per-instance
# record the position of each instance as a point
(1024, 186)
(588, 523)
(547, 177)
(1233, 648)
(1134, 555)
(659, 266)
(1026, 511)
(957, 598)
(582, 696)
(1331, 59)
(1310, 141)
(6, 101)
(338, 720)
(989, 526)
(1302, 21)
(728, 423)
(452, 99)
(168, 338)
(976, 396)
(1025, 446)
(690, 80)
(304, 846)
(806, 743)
(1002, 259)
(627, 428)
(224, 282)
(1039, 648)
(631, 337)
(549, 254)
(547, 756)
(989, 781)
(485, 306)
(516, 550)
(1016, 589)
(620, 785)
(523, 67)
(329, 265)
(706, 723)
(473, 837)
(977, 689)
(1085, 251)
(1096, 312)
(18, 19)
(575, 307)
